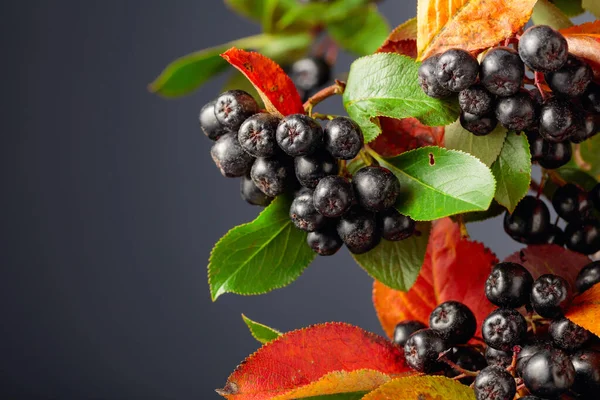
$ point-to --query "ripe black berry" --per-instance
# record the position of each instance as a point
(310, 73)
(376, 188)
(550, 296)
(543, 49)
(498, 357)
(549, 373)
(270, 175)
(454, 321)
(252, 194)
(494, 383)
(583, 236)
(587, 371)
(229, 156)
(588, 276)
(333, 196)
(456, 69)
(504, 328)
(594, 196)
(299, 135)
(591, 98)
(476, 100)
(422, 350)
(529, 222)
(312, 168)
(325, 242)
(406, 328)
(479, 125)
(537, 145)
(304, 214)
(557, 120)
(567, 335)
(555, 155)
(257, 135)
(572, 79)
(428, 81)
(556, 236)
(343, 138)
(233, 107)
(358, 230)
(528, 351)
(465, 357)
(570, 202)
(585, 127)
(502, 71)
(517, 112)
(395, 226)
(211, 127)
(508, 285)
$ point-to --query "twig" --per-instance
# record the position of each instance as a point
(581, 163)
(538, 79)
(337, 88)
(455, 366)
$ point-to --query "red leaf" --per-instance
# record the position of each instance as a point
(454, 269)
(585, 310)
(584, 41)
(275, 88)
(400, 135)
(550, 259)
(402, 40)
(322, 359)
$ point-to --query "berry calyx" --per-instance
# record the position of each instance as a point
(454, 321)
(395, 226)
(359, 230)
(270, 175)
(476, 100)
(588, 276)
(333, 196)
(376, 188)
(550, 296)
(343, 138)
(549, 373)
(543, 49)
(502, 71)
(404, 329)
(422, 350)
(508, 285)
(299, 135)
(252, 194)
(209, 123)
(304, 215)
(428, 81)
(494, 383)
(257, 135)
(229, 156)
(233, 107)
(312, 168)
(456, 69)
(504, 328)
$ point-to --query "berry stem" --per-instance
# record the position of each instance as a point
(323, 116)
(337, 88)
(456, 367)
(366, 157)
(581, 163)
(555, 177)
(538, 80)
(464, 233)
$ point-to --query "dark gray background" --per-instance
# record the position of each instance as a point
(110, 205)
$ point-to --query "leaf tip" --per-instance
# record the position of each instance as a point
(231, 388)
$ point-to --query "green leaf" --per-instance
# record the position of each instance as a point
(589, 151)
(261, 332)
(485, 148)
(570, 174)
(386, 84)
(546, 13)
(571, 8)
(257, 257)
(316, 13)
(592, 6)
(362, 32)
(512, 171)
(437, 182)
(397, 264)
(478, 216)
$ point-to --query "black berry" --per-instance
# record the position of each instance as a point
(572, 79)
(587, 372)
(456, 69)
(585, 127)
(233, 107)
(583, 236)
(543, 49)
(406, 328)
(359, 230)
(454, 321)
(550, 296)
(310, 73)
(270, 175)
(508, 285)
(376, 188)
(549, 373)
(588, 276)
(476, 100)
(299, 135)
(325, 242)
(502, 71)
(257, 135)
(479, 125)
(333, 196)
(504, 328)
(252, 194)
(568, 336)
(428, 81)
(494, 383)
(312, 168)
(465, 357)
(529, 222)
(570, 202)
(557, 120)
(556, 236)
(343, 138)
(422, 350)
(591, 98)
(304, 214)
(594, 196)
(229, 156)
(555, 155)
(211, 127)
(395, 226)
(498, 357)
(517, 112)
(528, 351)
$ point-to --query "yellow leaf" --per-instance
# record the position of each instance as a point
(585, 310)
(468, 24)
(422, 388)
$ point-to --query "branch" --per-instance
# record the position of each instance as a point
(337, 88)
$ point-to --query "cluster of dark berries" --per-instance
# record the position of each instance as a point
(555, 358)
(493, 91)
(530, 221)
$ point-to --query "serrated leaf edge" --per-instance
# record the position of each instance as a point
(250, 322)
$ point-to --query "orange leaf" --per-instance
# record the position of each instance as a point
(275, 88)
(468, 24)
(454, 269)
(584, 41)
(322, 359)
(400, 135)
(422, 388)
(402, 40)
(585, 310)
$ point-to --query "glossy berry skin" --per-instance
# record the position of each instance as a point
(429, 82)
(587, 371)
(504, 328)
(324, 242)
(395, 226)
(478, 125)
(494, 383)
(498, 357)
(252, 194)
(502, 71)
(588, 276)
(585, 127)
(304, 215)
(310, 73)
(376, 188)
(572, 79)
(529, 350)
(476, 100)
(543, 49)
(508, 285)
(233, 107)
(312, 168)
(568, 336)
(555, 155)
(404, 329)
(594, 196)
(467, 358)
(422, 350)
(517, 112)
(529, 222)
(456, 69)
(343, 138)
(229, 156)
(583, 236)
(550, 296)
(270, 175)
(211, 127)
(333, 196)
(591, 98)
(549, 373)
(557, 120)
(570, 202)
(454, 321)
(556, 236)
(257, 135)
(358, 230)
(299, 135)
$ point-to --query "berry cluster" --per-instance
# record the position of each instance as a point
(493, 91)
(545, 354)
(296, 155)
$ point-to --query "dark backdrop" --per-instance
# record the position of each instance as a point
(110, 205)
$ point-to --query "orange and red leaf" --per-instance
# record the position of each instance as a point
(584, 41)
(402, 40)
(400, 135)
(585, 310)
